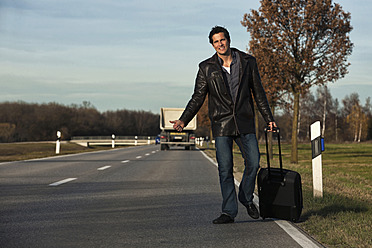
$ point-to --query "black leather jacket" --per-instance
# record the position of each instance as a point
(227, 118)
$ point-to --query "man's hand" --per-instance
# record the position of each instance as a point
(178, 125)
(271, 126)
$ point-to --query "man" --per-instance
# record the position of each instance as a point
(230, 78)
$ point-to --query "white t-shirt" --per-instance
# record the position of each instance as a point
(227, 69)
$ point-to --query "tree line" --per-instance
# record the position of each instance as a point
(20, 121)
(347, 121)
(350, 122)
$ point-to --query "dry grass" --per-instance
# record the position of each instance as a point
(31, 150)
(343, 217)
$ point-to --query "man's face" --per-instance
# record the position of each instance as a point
(221, 44)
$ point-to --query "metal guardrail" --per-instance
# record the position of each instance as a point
(107, 140)
(110, 138)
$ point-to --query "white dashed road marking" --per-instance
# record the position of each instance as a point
(104, 167)
(139, 157)
(125, 161)
(62, 181)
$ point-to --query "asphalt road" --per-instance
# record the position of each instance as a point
(133, 197)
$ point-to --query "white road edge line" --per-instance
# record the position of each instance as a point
(298, 236)
(292, 231)
(104, 167)
(62, 181)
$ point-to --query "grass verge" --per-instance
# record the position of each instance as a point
(23, 151)
(343, 217)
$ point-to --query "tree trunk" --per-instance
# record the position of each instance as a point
(356, 126)
(296, 111)
(270, 139)
(324, 110)
(299, 120)
(210, 134)
(360, 131)
(336, 123)
(336, 127)
(356, 134)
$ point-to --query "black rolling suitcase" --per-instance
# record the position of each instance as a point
(279, 190)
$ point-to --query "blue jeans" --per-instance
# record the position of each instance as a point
(249, 148)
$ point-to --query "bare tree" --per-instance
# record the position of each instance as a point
(308, 41)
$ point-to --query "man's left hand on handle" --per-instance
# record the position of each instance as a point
(272, 125)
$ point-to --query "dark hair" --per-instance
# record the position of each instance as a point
(216, 30)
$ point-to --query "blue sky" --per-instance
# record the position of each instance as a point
(134, 54)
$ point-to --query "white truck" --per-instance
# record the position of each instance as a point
(169, 136)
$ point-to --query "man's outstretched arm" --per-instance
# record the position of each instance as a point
(178, 125)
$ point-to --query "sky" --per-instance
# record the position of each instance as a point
(135, 54)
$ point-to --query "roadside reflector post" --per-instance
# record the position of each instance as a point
(113, 141)
(148, 140)
(135, 141)
(58, 142)
(317, 146)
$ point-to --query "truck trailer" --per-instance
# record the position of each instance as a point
(169, 136)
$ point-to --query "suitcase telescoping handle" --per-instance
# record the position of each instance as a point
(277, 131)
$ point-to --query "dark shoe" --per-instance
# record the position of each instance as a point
(223, 219)
(252, 211)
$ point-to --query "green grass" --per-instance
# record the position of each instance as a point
(23, 151)
(343, 217)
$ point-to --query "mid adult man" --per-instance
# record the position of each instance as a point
(230, 78)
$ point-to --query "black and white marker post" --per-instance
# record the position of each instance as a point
(317, 146)
(58, 142)
(113, 141)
